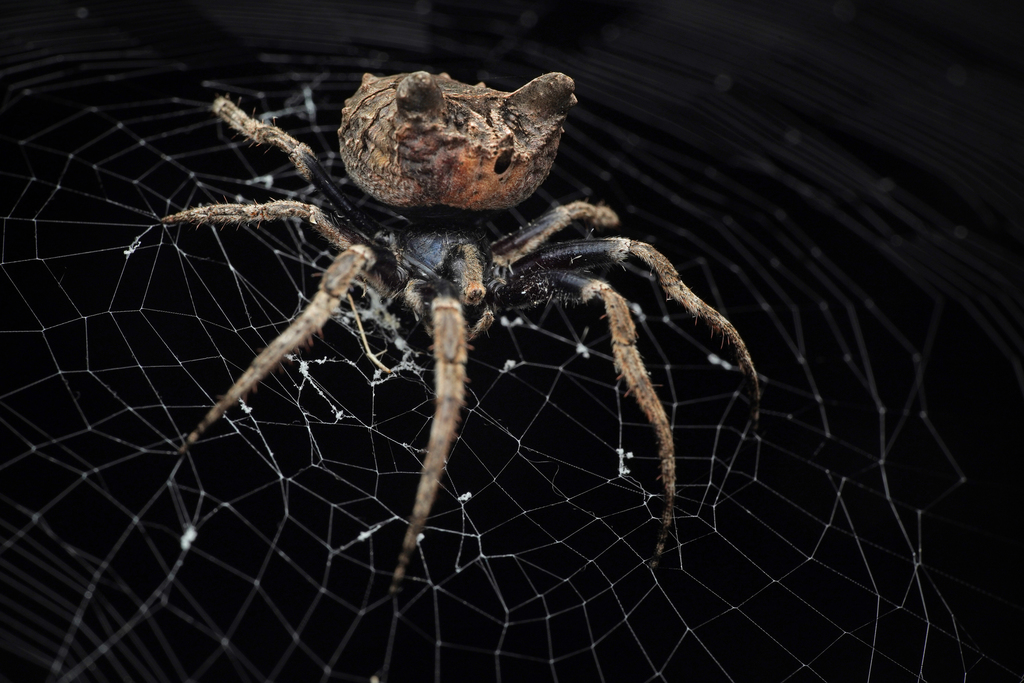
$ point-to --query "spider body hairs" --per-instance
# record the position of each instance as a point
(444, 154)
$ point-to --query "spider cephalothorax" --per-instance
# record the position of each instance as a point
(441, 152)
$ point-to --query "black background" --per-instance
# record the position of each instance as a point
(875, 146)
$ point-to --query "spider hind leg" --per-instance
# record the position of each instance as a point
(358, 226)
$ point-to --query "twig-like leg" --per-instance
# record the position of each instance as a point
(336, 281)
(263, 133)
(632, 370)
(301, 156)
(450, 384)
(581, 255)
(561, 267)
(670, 281)
(514, 246)
(224, 215)
(532, 282)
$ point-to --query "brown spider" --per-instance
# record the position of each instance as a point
(443, 154)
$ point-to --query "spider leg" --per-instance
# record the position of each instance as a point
(449, 329)
(579, 255)
(483, 324)
(238, 215)
(334, 284)
(632, 369)
(302, 158)
(532, 287)
(514, 246)
(673, 285)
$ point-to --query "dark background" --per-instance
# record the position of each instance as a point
(842, 179)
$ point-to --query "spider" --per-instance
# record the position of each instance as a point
(445, 155)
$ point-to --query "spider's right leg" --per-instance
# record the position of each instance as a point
(509, 248)
(238, 215)
(334, 284)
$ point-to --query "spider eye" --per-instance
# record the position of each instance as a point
(503, 161)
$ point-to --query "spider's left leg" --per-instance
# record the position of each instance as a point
(528, 289)
(584, 254)
(450, 352)
(334, 284)
(673, 285)
(505, 250)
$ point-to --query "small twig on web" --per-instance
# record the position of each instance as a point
(362, 335)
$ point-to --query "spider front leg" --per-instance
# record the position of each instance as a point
(558, 270)
(449, 329)
(335, 283)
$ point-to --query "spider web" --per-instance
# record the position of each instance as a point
(842, 182)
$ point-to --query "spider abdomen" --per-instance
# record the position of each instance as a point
(423, 140)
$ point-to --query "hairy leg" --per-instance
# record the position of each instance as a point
(302, 158)
(336, 281)
(238, 215)
(631, 368)
(266, 134)
(673, 285)
(532, 285)
(520, 243)
(582, 255)
(450, 384)
(562, 268)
